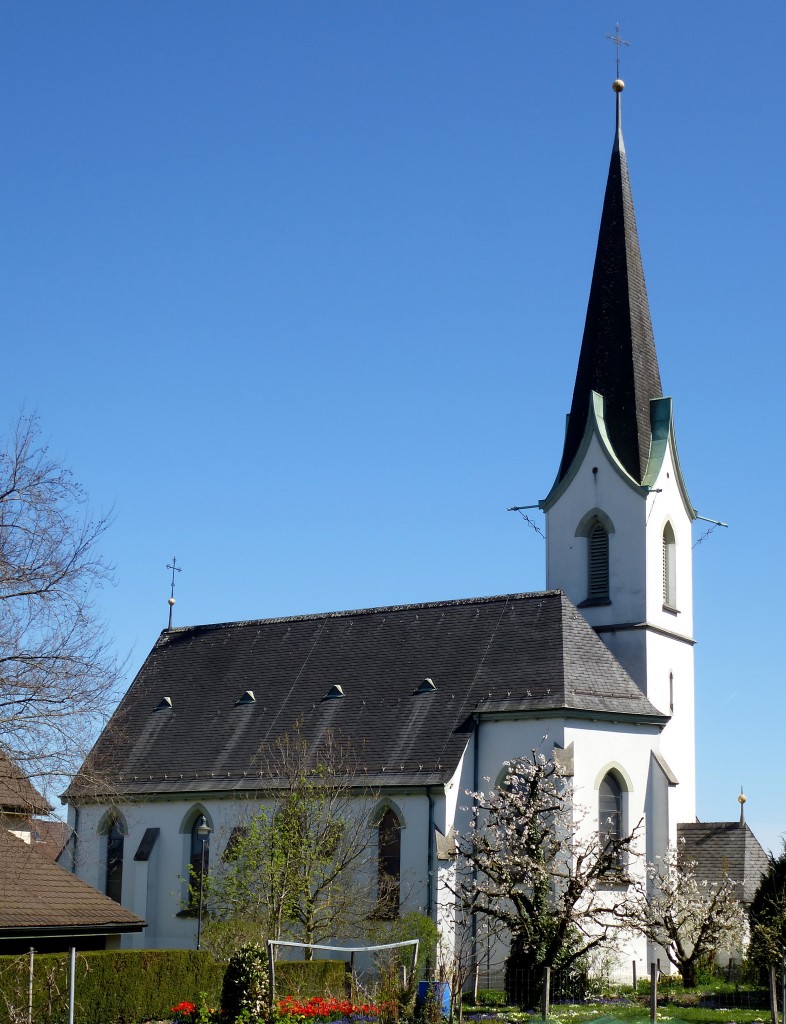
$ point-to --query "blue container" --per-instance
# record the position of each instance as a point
(439, 991)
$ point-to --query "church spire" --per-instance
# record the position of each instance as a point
(618, 358)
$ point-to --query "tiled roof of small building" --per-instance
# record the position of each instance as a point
(725, 848)
(38, 897)
(225, 691)
(17, 793)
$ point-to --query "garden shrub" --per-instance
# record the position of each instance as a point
(112, 986)
(246, 983)
(307, 978)
(490, 997)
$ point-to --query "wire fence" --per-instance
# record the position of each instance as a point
(730, 990)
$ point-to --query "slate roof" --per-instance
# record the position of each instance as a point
(723, 848)
(520, 654)
(17, 793)
(40, 898)
(618, 358)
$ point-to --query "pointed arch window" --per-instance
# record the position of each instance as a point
(199, 860)
(669, 567)
(389, 865)
(598, 562)
(115, 841)
(610, 814)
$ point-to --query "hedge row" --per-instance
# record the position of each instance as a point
(133, 985)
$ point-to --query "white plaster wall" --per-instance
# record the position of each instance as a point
(156, 890)
(662, 665)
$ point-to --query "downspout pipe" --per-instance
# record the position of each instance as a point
(74, 839)
(475, 789)
(430, 854)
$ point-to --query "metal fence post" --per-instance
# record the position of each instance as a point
(30, 988)
(271, 963)
(653, 992)
(773, 996)
(545, 1001)
(71, 984)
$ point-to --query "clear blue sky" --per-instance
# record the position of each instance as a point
(299, 287)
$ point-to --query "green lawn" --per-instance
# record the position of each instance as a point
(605, 1014)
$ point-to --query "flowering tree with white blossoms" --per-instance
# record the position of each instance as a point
(557, 888)
(688, 916)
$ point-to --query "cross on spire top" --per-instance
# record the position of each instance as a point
(618, 42)
(171, 602)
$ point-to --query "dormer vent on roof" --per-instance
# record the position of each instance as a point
(246, 698)
(427, 686)
(163, 704)
(335, 692)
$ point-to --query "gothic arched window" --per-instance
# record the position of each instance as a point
(669, 567)
(114, 860)
(199, 860)
(610, 813)
(389, 865)
(598, 562)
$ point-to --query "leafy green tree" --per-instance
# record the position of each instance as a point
(299, 866)
(530, 865)
(767, 914)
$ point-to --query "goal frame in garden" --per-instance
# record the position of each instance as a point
(272, 943)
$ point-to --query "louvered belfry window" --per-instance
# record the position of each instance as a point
(669, 574)
(598, 562)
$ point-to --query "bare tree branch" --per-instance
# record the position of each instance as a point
(57, 669)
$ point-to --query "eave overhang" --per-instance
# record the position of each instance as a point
(501, 710)
(63, 931)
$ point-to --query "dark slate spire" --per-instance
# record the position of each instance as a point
(618, 358)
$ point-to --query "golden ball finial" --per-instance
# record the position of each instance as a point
(170, 601)
(742, 798)
(618, 85)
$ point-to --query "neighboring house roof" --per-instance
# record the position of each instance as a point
(17, 793)
(618, 358)
(725, 848)
(39, 898)
(49, 837)
(520, 654)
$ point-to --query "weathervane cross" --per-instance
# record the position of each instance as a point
(618, 42)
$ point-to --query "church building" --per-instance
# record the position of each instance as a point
(596, 670)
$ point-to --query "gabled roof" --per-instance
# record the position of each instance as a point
(40, 898)
(725, 849)
(520, 655)
(618, 358)
(17, 793)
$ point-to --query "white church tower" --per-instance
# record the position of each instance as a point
(618, 517)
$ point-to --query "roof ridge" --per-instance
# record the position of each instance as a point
(347, 613)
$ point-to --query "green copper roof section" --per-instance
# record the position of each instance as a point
(594, 425)
(663, 440)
